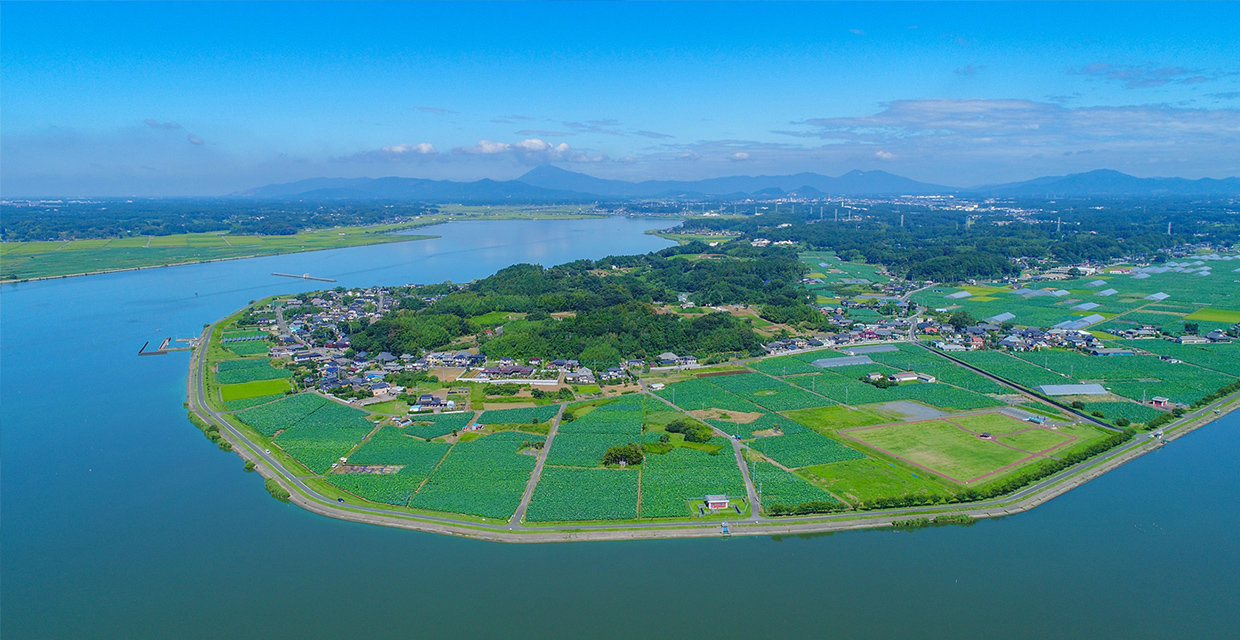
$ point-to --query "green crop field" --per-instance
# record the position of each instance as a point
(862, 482)
(433, 425)
(786, 366)
(941, 447)
(527, 415)
(385, 488)
(915, 358)
(1135, 413)
(1210, 314)
(804, 449)
(238, 371)
(325, 435)
(485, 477)
(768, 392)
(238, 405)
(44, 259)
(844, 390)
(565, 494)
(254, 389)
(248, 347)
(270, 418)
(692, 395)
(1014, 369)
(825, 419)
(582, 442)
(670, 479)
(389, 447)
(780, 487)
(1224, 357)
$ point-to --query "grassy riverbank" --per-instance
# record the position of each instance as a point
(37, 260)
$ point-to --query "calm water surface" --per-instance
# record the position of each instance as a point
(121, 521)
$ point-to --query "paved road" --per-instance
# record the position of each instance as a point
(518, 532)
(519, 516)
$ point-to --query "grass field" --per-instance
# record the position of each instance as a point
(254, 389)
(863, 481)
(826, 419)
(941, 447)
(47, 259)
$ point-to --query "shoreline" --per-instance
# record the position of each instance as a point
(1022, 500)
(412, 238)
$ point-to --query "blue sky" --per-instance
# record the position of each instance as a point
(206, 99)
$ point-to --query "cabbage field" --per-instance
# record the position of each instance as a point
(270, 418)
(323, 436)
(804, 449)
(527, 415)
(565, 494)
(433, 425)
(671, 479)
(777, 486)
(485, 477)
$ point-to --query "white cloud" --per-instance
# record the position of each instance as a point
(420, 152)
(885, 155)
(739, 156)
(423, 148)
(530, 151)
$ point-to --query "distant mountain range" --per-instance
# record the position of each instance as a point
(552, 184)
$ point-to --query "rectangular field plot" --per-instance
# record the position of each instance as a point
(527, 415)
(485, 477)
(433, 425)
(769, 392)
(867, 482)
(804, 449)
(824, 419)
(390, 446)
(698, 395)
(323, 436)
(238, 371)
(942, 396)
(582, 442)
(270, 418)
(671, 479)
(1112, 411)
(238, 405)
(565, 494)
(940, 447)
(254, 389)
(248, 348)
(783, 488)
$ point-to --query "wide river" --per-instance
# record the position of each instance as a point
(121, 521)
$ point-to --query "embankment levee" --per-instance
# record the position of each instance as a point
(205, 261)
(1023, 500)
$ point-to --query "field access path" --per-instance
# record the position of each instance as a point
(515, 531)
(518, 518)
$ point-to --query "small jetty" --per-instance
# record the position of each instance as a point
(165, 349)
(304, 276)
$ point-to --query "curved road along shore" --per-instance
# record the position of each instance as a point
(517, 531)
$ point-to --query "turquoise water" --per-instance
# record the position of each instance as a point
(121, 521)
